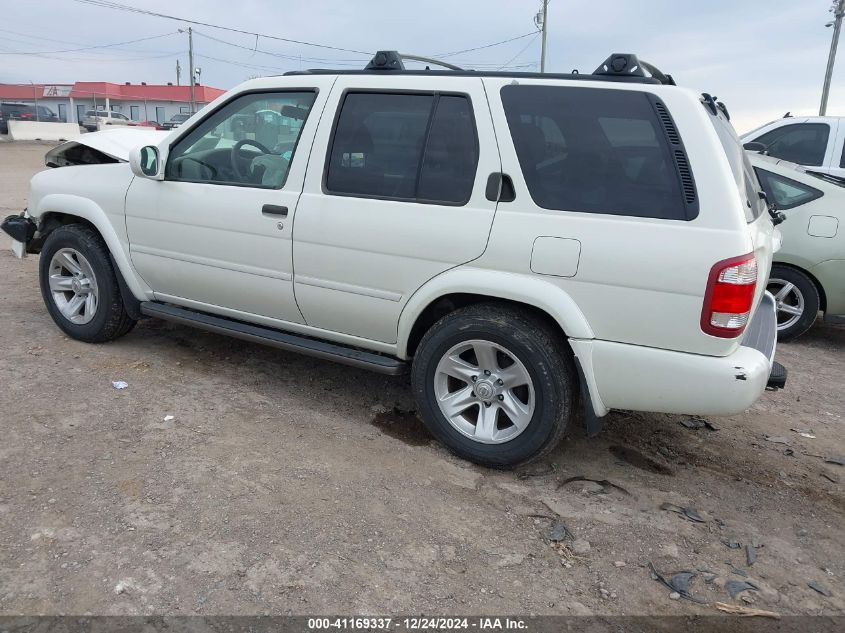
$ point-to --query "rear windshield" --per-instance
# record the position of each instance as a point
(599, 151)
(746, 179)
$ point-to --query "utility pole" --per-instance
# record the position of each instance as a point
(838, 10)
(191, 68)
(178, 73)
(35, 95)
(545, 30)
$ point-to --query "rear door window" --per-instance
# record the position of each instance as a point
(785, 192)
(405, 146)
(802, 143)
(600, 151)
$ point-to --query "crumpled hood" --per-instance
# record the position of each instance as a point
(115, 144)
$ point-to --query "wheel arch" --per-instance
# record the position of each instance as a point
(460, 288)
(57, 210)
(811, 277)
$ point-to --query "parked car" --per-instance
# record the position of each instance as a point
(816, 142)
(526, 244)
(46, 115)
(153, 124)
(175, 121)
(10, 111)
(808, 274)
(102, 117)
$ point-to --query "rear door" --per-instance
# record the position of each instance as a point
(394, 195)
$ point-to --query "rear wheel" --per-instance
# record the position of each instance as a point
(79, 285)
(796, 300)
(494, 384)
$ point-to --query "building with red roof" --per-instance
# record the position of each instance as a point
(139, 102)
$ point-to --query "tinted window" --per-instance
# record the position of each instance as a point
(802, 143)
(405, 146)
(451, 153)
(595, 150)
(785, 192)
(246, 142)
(842, 161)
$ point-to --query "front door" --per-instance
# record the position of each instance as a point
(215, 234)
(395, 195)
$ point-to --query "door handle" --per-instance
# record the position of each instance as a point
(500, 188)
(274, 209)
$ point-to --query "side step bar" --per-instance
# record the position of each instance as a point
(275, 338)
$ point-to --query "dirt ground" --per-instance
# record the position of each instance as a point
(288, 485)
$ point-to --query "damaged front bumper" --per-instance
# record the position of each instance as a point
(22, 230)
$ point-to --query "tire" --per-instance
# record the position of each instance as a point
(794, 291)
(75, 260)
(523, 348)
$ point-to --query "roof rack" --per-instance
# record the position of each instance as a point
(622, 67)
(629, 64)
(393, 60)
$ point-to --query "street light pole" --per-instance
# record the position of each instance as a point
(545, 29)
(838, 10)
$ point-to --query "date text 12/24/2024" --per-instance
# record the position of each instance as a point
(416, 623)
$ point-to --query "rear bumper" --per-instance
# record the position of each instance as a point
(622, 376)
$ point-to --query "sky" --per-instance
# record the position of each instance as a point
(762, 58)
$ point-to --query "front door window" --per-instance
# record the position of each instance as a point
(249, 141)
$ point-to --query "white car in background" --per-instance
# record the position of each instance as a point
(94, 119)
(815, 142)
(808, 273)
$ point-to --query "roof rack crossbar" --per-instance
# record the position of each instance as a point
(393, 60)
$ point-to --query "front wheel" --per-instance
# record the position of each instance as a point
(796, 300)
(79, 285)
(495, 384)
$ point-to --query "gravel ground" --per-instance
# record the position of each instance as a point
(285, 484)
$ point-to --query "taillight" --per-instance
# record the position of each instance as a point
(729, 296)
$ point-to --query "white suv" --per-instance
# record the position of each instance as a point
(528, 244)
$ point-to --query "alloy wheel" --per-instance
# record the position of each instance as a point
(484, 391)
(73, 286)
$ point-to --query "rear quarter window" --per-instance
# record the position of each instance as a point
(785, 192)
(599, 150)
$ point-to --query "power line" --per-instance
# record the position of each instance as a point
(478, 48)
(255, 49)
(88, 48)
(107, 4)
(527, 46)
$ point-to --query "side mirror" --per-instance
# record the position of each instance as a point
(754, 146)
(145, 162)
